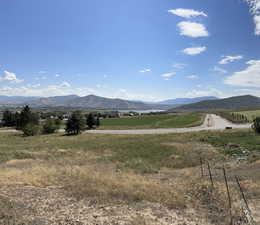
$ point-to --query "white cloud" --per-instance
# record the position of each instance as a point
(193, 77)
(202, 93)
(33, 85)
(229, 59)
(255, 11)
(219, 70)
(179, 66)
(125, 94)
(257, 24)
(60, 86)
(50, 90)
(145, 70)
(168, 75)
(192, 29)
(57, 75)
(250, 77)
(186, 13)
(194, 50)
(63, 89)
(11, 77)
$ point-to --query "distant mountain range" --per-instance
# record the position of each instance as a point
(88, 102)
(175, 105)
(232, 103)
(183, 101)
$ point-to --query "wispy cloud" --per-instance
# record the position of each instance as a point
(11, 77)
(206, 92)
(179, 66)
(167, 76)
(192, 29)
(219, 70)
(229, 59)
(187, 13)
(193, 77)
(194, 50)
(145, 70)
(255, 11)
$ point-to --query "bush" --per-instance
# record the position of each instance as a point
(31, 130)
(256, 125)
(50, 126)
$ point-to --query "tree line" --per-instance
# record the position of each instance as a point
(29, 122)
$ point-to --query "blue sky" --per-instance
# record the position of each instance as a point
(132, 49)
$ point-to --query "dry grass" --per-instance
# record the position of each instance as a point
(139, 220)
(159, 169)
(103, 185)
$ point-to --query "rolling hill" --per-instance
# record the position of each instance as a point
(232, 103)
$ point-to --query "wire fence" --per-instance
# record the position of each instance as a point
(211, 173)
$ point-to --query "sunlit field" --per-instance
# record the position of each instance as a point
(153, 121)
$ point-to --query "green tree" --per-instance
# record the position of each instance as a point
(98, 122)
(27, 121)
(75, 123)
(256, 125)
(28, 117)
(91, 121)
(8, 119)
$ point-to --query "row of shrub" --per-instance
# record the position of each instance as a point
(234, 117)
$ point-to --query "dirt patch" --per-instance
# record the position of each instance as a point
(51, 206)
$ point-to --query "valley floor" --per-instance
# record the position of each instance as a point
(211, 122)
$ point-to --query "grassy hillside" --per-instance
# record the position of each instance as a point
(120, 176)
(153, 121)
(233, 103)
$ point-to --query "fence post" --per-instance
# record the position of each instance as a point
(210, 175)
(201, 167)
(229, 198)
(244, 198)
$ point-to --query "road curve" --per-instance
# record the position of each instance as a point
(211, 122)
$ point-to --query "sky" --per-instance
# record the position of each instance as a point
(146, 50)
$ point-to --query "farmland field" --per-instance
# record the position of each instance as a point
(153, 121)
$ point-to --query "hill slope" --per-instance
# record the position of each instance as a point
(237, 102)
(183, 101)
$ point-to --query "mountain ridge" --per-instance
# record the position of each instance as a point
(231, 103)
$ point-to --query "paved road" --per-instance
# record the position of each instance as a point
(211, 122)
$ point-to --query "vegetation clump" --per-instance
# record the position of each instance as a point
(256, 125)
(75, 123)
(51, 126)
